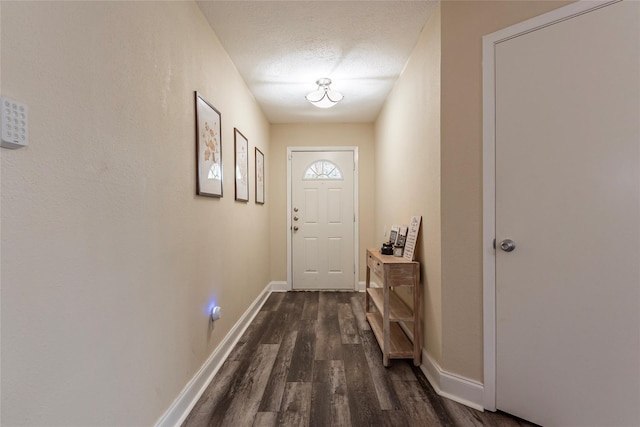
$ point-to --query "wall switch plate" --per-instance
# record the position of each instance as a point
(14, 123)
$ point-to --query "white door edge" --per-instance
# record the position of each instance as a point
(356, 233)
(489, 43)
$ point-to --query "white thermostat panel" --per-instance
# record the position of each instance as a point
(15, 123)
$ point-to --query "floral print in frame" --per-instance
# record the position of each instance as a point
(242, 166)
(259, 177)
(208, 149)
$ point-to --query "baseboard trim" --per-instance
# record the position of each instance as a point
(188, 397)
(279, 286)
(459, 389)
(362, 286)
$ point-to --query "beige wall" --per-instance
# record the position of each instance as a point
(109, 260)
(408, 169)
(319, 135)
(463, 25)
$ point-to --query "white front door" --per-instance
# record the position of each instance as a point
(322, 220)
(568, 195)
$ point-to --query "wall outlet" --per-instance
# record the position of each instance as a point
(15, 123)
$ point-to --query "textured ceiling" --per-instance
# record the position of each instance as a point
(282, 47)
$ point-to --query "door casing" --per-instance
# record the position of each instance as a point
(489, 172)
(356, 233)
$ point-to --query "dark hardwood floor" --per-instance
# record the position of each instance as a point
(310, 358)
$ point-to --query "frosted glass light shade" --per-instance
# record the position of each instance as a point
(324, 97)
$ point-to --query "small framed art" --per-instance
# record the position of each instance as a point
(242, 166)
(412, 237)
(259, 177)
(208, 149)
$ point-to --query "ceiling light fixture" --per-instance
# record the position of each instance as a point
(324, 97)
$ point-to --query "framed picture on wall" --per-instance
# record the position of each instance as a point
(259, 174)
(242, 165)
(208, 149)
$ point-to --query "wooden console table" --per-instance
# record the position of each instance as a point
(390, 310)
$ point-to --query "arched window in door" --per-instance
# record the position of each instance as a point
(322, 169)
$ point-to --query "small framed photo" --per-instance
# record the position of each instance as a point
(242, 165)
(259, 177)
(393, 235)
(208, 149)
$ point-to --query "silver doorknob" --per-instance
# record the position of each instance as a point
(507, 245)
(295, 218)
(295, 228)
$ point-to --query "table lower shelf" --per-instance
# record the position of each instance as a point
(400, 345)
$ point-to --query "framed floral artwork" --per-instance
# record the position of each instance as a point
(242, 165)
(259, 174)
(208, 149)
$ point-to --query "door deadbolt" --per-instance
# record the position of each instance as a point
(295, 209)
(295, 218)
(295, 228)
(507, 245)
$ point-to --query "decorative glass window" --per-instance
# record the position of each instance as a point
(323, 169)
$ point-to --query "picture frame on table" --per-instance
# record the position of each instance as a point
(412, 237)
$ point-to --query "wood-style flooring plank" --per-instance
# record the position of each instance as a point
(436, 402)
(416, 405)
(344, 297)
(310, 308)
(462, 415)
(329, 401)
(276, 327)
(294, 304)
(381, 379)
(296, 405)
(301, 366)
(272, 397)
(265, 419)
(357, 305)
(363, 402)
(284, 320)
(215, 397)
(400, 370)
(244, 406)
(252, 336)
(349, 332)
(273, 302)
(329, 340)
(395, 418)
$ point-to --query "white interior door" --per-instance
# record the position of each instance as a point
(322, 220)
(568, 195)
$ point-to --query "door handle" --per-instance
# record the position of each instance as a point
(295, 209)
(507, 245)
(295, 218)
(295, 228)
